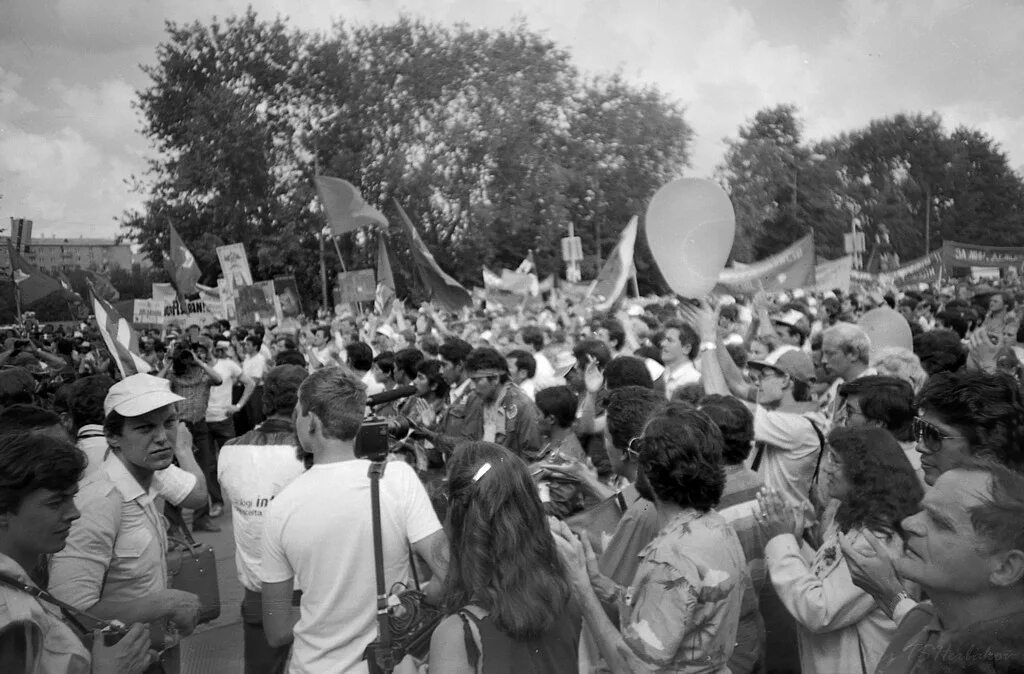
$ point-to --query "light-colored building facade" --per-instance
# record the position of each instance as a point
(60, 254)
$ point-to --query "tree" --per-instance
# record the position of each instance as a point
(489, 139)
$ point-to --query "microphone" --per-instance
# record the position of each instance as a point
(388, 396)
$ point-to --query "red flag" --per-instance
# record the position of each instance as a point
(121, 340)
(183, 267)
(33, 285)
(440, 287)
(344, 207)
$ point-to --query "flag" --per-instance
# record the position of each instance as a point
(182, 268)
(440, 287)
(121, 340)
(164, 292)
(611, 282)
(32, 284)
(385, 279)
(103, 286)
(527, 266)
(344, 207)
(786, 270)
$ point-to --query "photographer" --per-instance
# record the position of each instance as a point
(318, 534)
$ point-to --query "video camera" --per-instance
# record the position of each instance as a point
(373, 438)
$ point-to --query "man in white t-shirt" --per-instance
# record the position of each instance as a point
(219, 413)
(679, 347)
(253, 469)
(318, 535)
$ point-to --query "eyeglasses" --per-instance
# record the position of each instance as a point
(929, 434)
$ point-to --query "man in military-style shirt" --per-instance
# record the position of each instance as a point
(496, 410)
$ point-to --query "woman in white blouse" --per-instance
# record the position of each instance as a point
(872, 487)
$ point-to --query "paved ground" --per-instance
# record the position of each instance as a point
(217, 646)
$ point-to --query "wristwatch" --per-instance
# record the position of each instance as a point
(900, 596)
(708, 346)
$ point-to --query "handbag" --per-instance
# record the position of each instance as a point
(192, 567)
(407, 630)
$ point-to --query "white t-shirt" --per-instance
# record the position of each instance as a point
(319, 532)
(373, 387)
(251, 476)
(789, 460)
(679, 376)
(220, 395)
(255, 366)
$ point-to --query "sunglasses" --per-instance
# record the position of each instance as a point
(929, 434)
(635, 446)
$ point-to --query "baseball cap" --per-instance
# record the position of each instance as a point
(793, 319)
(138, 394)
(223, 344)
(793, 362)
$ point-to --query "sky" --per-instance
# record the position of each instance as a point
(69, 70)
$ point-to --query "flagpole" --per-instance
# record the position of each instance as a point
(17, 299)
(323, 271)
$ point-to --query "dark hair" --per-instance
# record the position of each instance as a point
(959, 322)
(649, 352)
(616, 332)
(998, 518)
(940, 351)
(560, 402)
(256, 342)
(281, 388)
(524, 360)
(430, 345)
(687, 335)
(455, 350)
(886, 400)
(385, 361)
(337, 398)
(406, 361)
(532, 335)
(31, 461)
(691, 393)
(290, 357)
(360, 356)
(486, 358)
(433, 370)
(20, 418)
(736, 423)
(681, 459)
(986, 408)
(627, 409)
(882, 488)
(87, 396)
(503, 556)
(627, 371)
(592, 347)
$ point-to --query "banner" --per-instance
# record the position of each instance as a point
(611, 281)
(210, 296)
(148, 314)
(164, 292)
(834, 274)
(356, 286)
(955, 254)
(287, 291)
(256, 304)
(927, 269)
(184, 314)
(790, 269)
(235, 266)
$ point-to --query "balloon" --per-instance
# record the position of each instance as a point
(886, 328)
(690, 227)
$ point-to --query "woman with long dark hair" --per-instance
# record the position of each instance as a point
(872, 488)
(507, 593)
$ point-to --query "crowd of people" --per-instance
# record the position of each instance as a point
(808, 482)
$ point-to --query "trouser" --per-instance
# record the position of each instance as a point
(220, 432)
(201, 447)
(261, 657)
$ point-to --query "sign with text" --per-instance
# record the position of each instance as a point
(356, 286)
(788, 269)
(955, 254)
(184, 314)
(255, 304)
(235, 265)
(148, 313)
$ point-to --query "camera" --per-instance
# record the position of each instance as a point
(372, 440)
(113, 632)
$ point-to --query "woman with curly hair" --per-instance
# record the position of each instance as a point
(507, 596)
(872, 487)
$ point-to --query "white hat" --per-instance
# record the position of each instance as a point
(138, 394)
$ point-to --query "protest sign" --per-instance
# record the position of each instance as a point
(148, 313)
(184, 314)
(356, 286)
(927, 269)
(255, 303)
(787, 270)
(955, 254)
(235, 265)
(227, 300)
(287, 291)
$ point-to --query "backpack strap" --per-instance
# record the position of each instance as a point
(821, 453)
(471, 634)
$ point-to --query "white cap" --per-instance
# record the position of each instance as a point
(138, 394)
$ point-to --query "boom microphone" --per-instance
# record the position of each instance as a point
(388, 396)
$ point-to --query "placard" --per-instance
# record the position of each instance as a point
(235, 265)
(148, 313)
(255, 304)
(356, 286)
(288, 298)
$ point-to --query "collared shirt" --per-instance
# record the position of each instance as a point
(678, 376)
(194, 386)
(93, 442)
(52, 645)
(172, 483)
(117, 550)
(915, 639)
(682, 611)
(459, 392)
